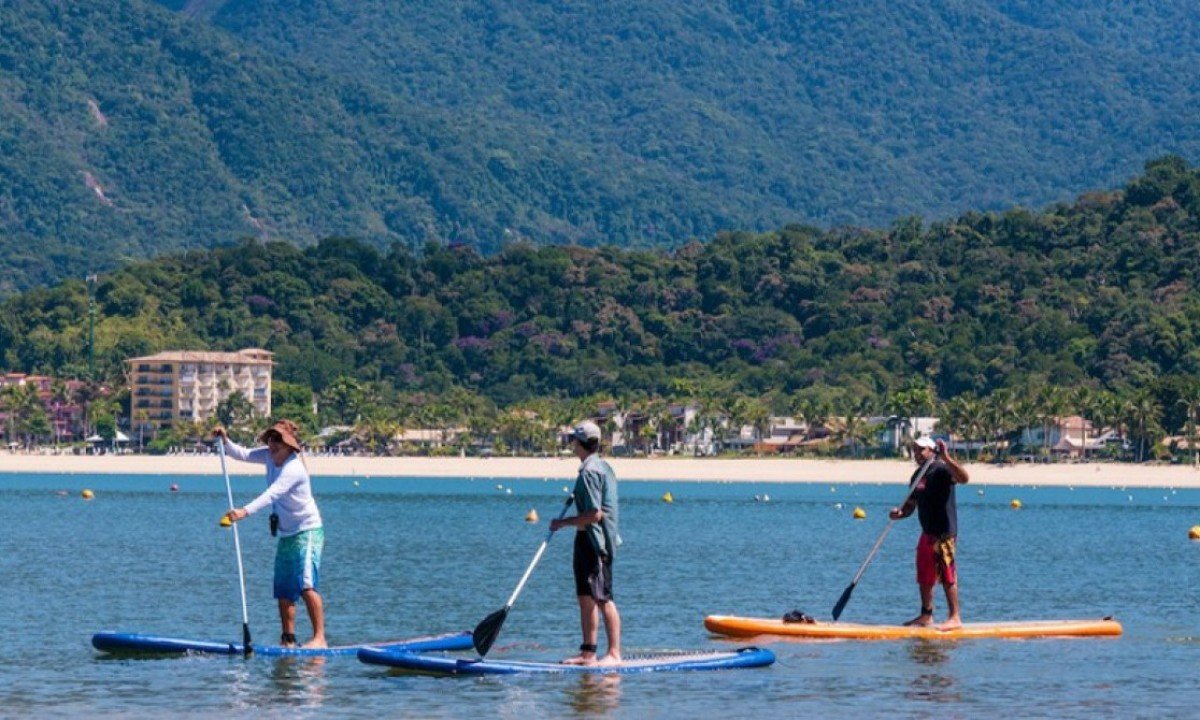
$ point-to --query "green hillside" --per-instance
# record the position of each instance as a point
(821, 112)
(127, 132)
(129, 128)
(1100, 293)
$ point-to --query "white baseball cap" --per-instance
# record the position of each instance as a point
(925, 442)
(586, 430)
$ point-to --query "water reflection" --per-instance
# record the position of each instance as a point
(924, 652)
(242, 692)
(594, 694)
(932, 686)
(300, 680)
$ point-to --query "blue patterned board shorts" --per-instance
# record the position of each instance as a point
(298, 563)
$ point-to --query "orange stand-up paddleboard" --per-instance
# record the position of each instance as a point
(742, 627)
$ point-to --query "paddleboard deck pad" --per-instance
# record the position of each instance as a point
(136, 643)
(747, 657)
(742, 627)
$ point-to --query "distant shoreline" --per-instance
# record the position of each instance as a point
(767, 470)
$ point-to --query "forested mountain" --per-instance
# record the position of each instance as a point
(1099, 293)
(822, 111)
(126, 132)
(128, 128)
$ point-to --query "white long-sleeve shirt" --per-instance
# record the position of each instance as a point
(289, 489)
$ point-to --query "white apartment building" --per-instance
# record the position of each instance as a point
(188, 385)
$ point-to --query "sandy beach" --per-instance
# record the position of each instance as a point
(675, 469)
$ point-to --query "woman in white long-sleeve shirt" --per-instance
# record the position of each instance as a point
(301, 536)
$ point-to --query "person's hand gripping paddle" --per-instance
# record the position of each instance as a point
(845, 598)
(488, 630)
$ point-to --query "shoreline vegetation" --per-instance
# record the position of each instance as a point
(766, 470)
(1025, 335)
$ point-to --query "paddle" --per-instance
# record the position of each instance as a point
(247, 649)
(488, 630)
(845, 598)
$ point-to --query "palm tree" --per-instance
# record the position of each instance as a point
(85, 395)
(1028, 412)
(854, 432)
(1191, 405)
(377, 432)
(25, 412)
(1143, 414)
(1081, 400)
(960, 418)
(60, 399)
(914, 401)
(999, 415)
(1053, 403)
(1105, 410)
(900, 426)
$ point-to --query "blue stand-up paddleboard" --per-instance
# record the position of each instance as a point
(136, 643)
(747, 657)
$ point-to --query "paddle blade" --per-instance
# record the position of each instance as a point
(841, 603)
(488, 630)
(247, 646)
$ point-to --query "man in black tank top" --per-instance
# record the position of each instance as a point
(933, 500)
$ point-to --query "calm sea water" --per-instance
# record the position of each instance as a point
(408, 557)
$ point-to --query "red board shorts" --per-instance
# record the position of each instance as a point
(935, 560)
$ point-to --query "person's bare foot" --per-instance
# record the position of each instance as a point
(952, 623)
(316, 643)
(581, 659)
(920, 621)
(609, 660)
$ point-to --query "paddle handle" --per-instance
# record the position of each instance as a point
(237, 547)
(912, 487)
(537, 556)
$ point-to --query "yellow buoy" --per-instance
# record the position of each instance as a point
(1194, 533)
(1015, 504)
(87, 494)
(859, 513)
(668, 497)
(225, 521)
(531, 516)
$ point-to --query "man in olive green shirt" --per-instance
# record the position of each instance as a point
(596, 541)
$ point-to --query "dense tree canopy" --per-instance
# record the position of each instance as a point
(1099, 294)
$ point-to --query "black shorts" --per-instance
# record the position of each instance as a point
(593, 571)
